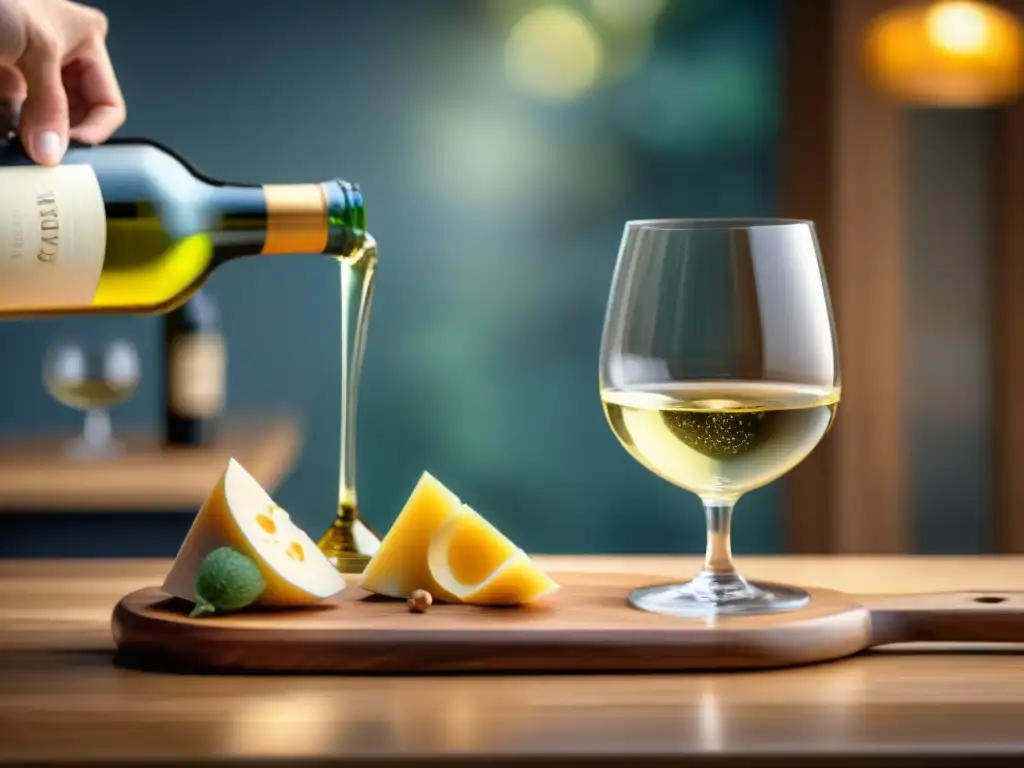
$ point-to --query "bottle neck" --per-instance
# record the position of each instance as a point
(275, 219)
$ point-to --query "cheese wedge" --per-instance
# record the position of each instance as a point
(400, 564)
(239, 513)
(475, 563)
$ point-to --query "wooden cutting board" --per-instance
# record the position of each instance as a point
(586, 627)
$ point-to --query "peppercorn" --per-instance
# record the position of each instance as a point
(420, 600)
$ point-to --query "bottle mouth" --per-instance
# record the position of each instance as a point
(346, 217)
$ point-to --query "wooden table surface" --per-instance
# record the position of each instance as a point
(62, 700)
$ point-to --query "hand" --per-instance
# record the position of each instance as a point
(53, 57)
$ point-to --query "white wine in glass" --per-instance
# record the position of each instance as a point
(719, 373)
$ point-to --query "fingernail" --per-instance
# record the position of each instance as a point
(48, 146)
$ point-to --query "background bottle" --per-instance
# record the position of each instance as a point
(195, 365)
(10, 113)
(128, 227)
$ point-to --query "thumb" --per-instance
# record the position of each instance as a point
(44, 114)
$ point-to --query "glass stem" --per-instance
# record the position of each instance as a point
(718, 557)
(718, 581)
(97, 429)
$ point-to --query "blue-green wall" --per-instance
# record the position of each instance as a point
(498, 218)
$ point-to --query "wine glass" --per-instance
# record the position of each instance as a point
(719, 372)
(92, 377)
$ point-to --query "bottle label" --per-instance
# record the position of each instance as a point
(53, 237)
(196, 385)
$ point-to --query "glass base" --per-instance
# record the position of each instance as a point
(83, 450)
(709, 594)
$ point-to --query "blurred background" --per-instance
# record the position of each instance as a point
(501, 145)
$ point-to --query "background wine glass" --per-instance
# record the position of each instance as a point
(719, 372)
(92, 377)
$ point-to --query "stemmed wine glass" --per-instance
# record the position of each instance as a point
(719, 372)
(92, 377)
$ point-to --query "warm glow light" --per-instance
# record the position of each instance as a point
(554, 53)
(957, 27)
(954, 54)
(629, 13)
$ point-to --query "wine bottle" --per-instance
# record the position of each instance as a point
(194, 371)
(128, 227)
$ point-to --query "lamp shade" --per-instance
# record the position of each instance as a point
(953, 54)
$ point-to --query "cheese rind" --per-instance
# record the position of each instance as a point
(476, 564)
(399, 567)
(239, 513)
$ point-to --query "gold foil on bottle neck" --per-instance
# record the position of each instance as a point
(296, 218)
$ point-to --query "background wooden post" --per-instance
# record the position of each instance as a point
(1008, 320)
(843, 168)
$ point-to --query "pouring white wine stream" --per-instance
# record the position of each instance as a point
(349, 542)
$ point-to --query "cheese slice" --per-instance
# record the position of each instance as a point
(475, 563)
(399, 566)
(239, 513)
